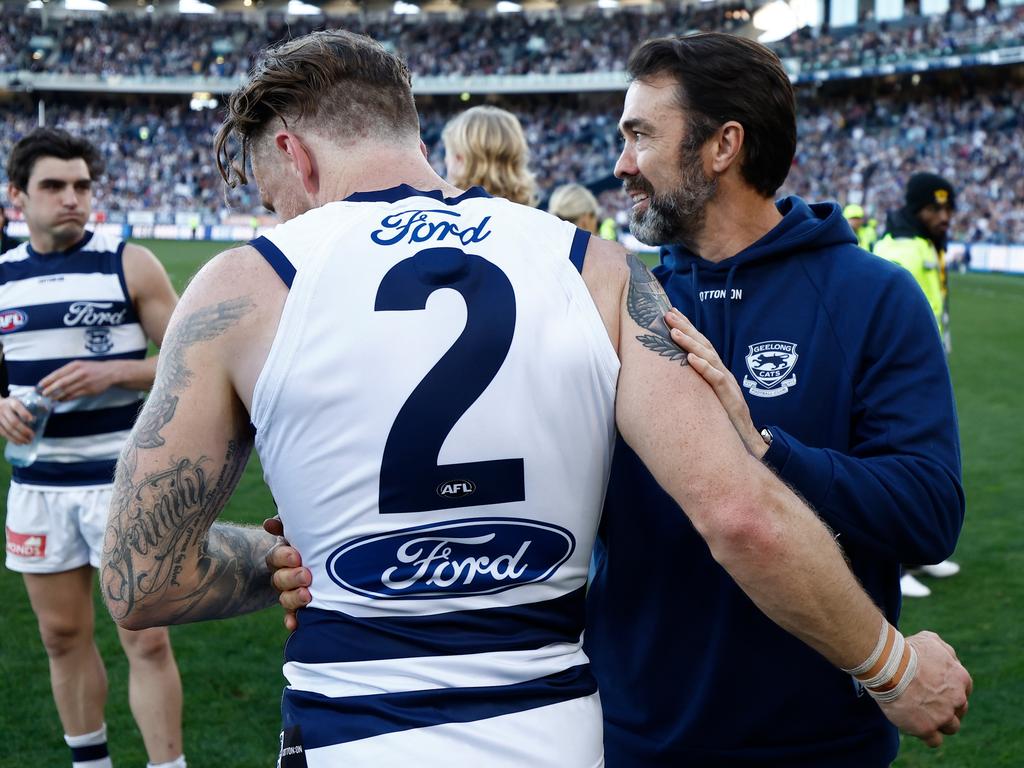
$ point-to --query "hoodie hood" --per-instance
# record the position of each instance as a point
(803, 227)
(903, 223)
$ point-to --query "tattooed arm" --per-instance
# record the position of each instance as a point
(165, 560)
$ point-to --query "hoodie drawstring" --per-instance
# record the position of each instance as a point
(727, 352)
(697, 308)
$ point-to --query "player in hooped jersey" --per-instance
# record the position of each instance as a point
(435, 377)
(79, 308)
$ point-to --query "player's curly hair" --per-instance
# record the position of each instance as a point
(50, 142)
(344, 84)
(494, 153)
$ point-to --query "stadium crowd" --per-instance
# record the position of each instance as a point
(159, 158)
(594, 40)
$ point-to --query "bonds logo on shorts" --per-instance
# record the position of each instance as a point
(478, 556)
(98, 341)
(12, 320)
(26, 544)
(771, 364)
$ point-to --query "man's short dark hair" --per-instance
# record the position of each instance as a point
(341, 82)
(724, 77)
(50, 142)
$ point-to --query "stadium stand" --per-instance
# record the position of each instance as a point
(861, 136)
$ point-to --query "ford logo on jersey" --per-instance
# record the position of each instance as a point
(12, 320)
(479, 556)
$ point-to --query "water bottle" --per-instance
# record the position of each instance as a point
(40, 407)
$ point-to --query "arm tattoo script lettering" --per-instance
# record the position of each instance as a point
(162, 545)
(647, 304)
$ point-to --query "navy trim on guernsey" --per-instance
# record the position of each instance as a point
(277, 260)
(66, 473)
(330, 636)
(91, 752)
(326, 721)
(403, 191)
(67, 251)
(578, 249)
(119, 267)
(28, 373)
(84, 263)
(97, 422)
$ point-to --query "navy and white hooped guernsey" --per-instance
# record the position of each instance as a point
(65, 306)
(435, 420)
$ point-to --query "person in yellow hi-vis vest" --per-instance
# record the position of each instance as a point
(864, 228)
(916, 239)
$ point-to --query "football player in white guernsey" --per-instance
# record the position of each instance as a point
(81, 308)
(434, 377)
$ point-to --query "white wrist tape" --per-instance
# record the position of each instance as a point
(883, 636)
(892, 650)
(904, 683)
(888, 670)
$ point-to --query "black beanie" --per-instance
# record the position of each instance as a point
(927, 188)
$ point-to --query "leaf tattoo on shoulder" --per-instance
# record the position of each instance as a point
(647, 304)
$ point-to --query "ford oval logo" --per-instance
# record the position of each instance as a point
(456, 489)
(12, 320)
(479, 556)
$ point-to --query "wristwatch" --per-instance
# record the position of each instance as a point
(766, 435)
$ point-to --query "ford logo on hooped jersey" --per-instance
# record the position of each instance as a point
(12, 320)
(478, 556)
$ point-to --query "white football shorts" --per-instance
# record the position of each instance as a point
(53, 529)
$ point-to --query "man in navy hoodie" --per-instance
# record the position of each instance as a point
(827, 361)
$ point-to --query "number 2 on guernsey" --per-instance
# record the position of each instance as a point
(411, 480)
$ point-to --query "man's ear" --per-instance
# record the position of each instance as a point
(300, 158)
(14, 195)
(726, 146)
(423, 150)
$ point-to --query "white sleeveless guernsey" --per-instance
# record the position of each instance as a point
(435, 421)
(56, 308)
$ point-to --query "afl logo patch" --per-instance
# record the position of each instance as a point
(12, 320)
(456, 489)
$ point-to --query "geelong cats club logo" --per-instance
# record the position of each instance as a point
(771, 365)
(98, 341)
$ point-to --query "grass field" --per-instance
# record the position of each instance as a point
(231, 669)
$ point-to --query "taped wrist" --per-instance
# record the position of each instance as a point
(890, 668)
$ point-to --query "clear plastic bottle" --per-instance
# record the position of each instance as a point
(40, 407)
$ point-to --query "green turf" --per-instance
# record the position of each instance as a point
(231, 669)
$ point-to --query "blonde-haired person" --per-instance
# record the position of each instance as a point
(486, 147)
(575, 203)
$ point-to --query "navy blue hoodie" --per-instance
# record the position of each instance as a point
(837, 354)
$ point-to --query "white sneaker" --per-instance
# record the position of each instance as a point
(941, 570)
(911, 587)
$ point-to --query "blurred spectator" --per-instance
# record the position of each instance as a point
(864, 228)
(485, 147)
(575, 203)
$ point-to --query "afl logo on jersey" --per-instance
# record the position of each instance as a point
(479, 556)
(456, 489)
(12, 320)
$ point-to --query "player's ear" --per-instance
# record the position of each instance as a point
(423, 150)
(14, 195)
(300, 158)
